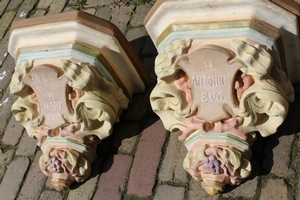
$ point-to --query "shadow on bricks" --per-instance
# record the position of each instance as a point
(138, 44)
(289, 127)
(143, 46)
(133, 121)
(104, 150)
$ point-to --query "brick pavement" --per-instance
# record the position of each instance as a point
(140, 160)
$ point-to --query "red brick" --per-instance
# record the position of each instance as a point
(140, 14)
(125, 137)
(5, 109)
(57, 6)
(38, 13)
(277, 151)
(196, 191)
(13, 178)
(44, 4)
(3, 54)
(275, 189)
(169, 192)
(91, 11)
(5, 157)
(149, 48)
(247, 189)
(86, 188)
(13, 132)
(91, 3)
(6, 71)
(113, 180)
(3, 5)
(46, 195)
(34, 181)
(13, 4)
(25, 8)
(136, 37)
(26, 146)
(171, 169)
(48, 183)
(104, 12)
(121, 16)
(5, 21)
(138, 107)
(147, 157)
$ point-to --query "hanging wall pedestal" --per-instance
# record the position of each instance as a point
(74, 75)
(221, 76)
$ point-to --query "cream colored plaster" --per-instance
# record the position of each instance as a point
(260, 95)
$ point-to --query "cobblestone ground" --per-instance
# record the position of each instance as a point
(140, 160)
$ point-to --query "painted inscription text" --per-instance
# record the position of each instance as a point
(51, 103)
(211, 81)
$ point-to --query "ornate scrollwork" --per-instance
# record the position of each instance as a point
(69, 109)
(217, 165)
(267, 100)
(258, 96)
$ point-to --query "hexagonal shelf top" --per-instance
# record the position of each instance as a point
(81, 36)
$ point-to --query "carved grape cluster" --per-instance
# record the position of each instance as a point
(54, 165)
(213, 164)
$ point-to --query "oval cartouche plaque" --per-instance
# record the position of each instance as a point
(50, 91)
(211, 79)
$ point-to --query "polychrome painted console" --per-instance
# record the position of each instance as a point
(74, 75)
(221, 76)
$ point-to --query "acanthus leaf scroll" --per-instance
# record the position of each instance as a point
(220, 93)
(69, 109)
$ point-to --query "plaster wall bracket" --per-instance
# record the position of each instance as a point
(74, 75)
(224, 72)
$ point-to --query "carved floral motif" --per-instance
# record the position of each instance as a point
(218, 97)
(69, 109)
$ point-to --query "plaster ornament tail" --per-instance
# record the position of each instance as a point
(61, 181)
(65, 161)
(217, 159)
(212, 187)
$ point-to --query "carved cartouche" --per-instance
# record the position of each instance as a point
(218, 96)
(69, 109)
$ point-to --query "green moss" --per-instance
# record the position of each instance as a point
(295, 165)
(137, 2)
(4, 148)
(79, 4)
(295, 155)
(134, 197)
